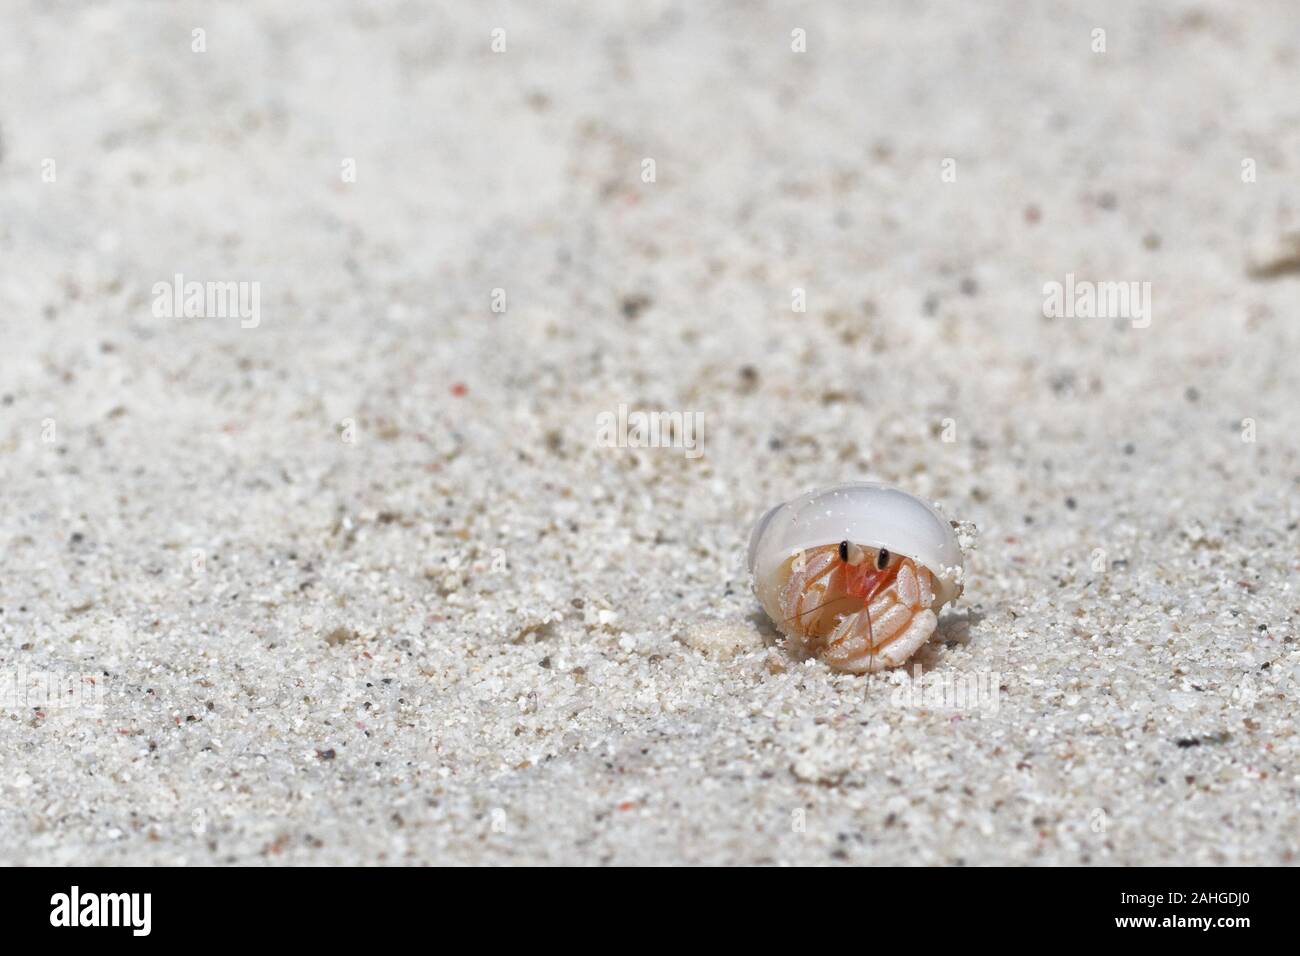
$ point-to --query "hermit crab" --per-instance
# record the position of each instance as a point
(855, 575)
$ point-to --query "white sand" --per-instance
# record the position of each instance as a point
(472, 635)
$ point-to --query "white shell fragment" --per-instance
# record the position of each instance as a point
(856, 574)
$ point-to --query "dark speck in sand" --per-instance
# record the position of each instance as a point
(634, 305)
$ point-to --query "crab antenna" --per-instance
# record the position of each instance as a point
(871, 638)
(811, 609)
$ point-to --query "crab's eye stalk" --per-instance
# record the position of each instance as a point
(882, 559)
(852, 554)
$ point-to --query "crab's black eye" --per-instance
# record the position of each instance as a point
(882, 559)
(844, 551)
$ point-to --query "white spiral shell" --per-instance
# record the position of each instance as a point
(871, 515)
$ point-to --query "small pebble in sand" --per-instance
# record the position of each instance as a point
(1275, 257)
(722, 639)
(340, 635)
